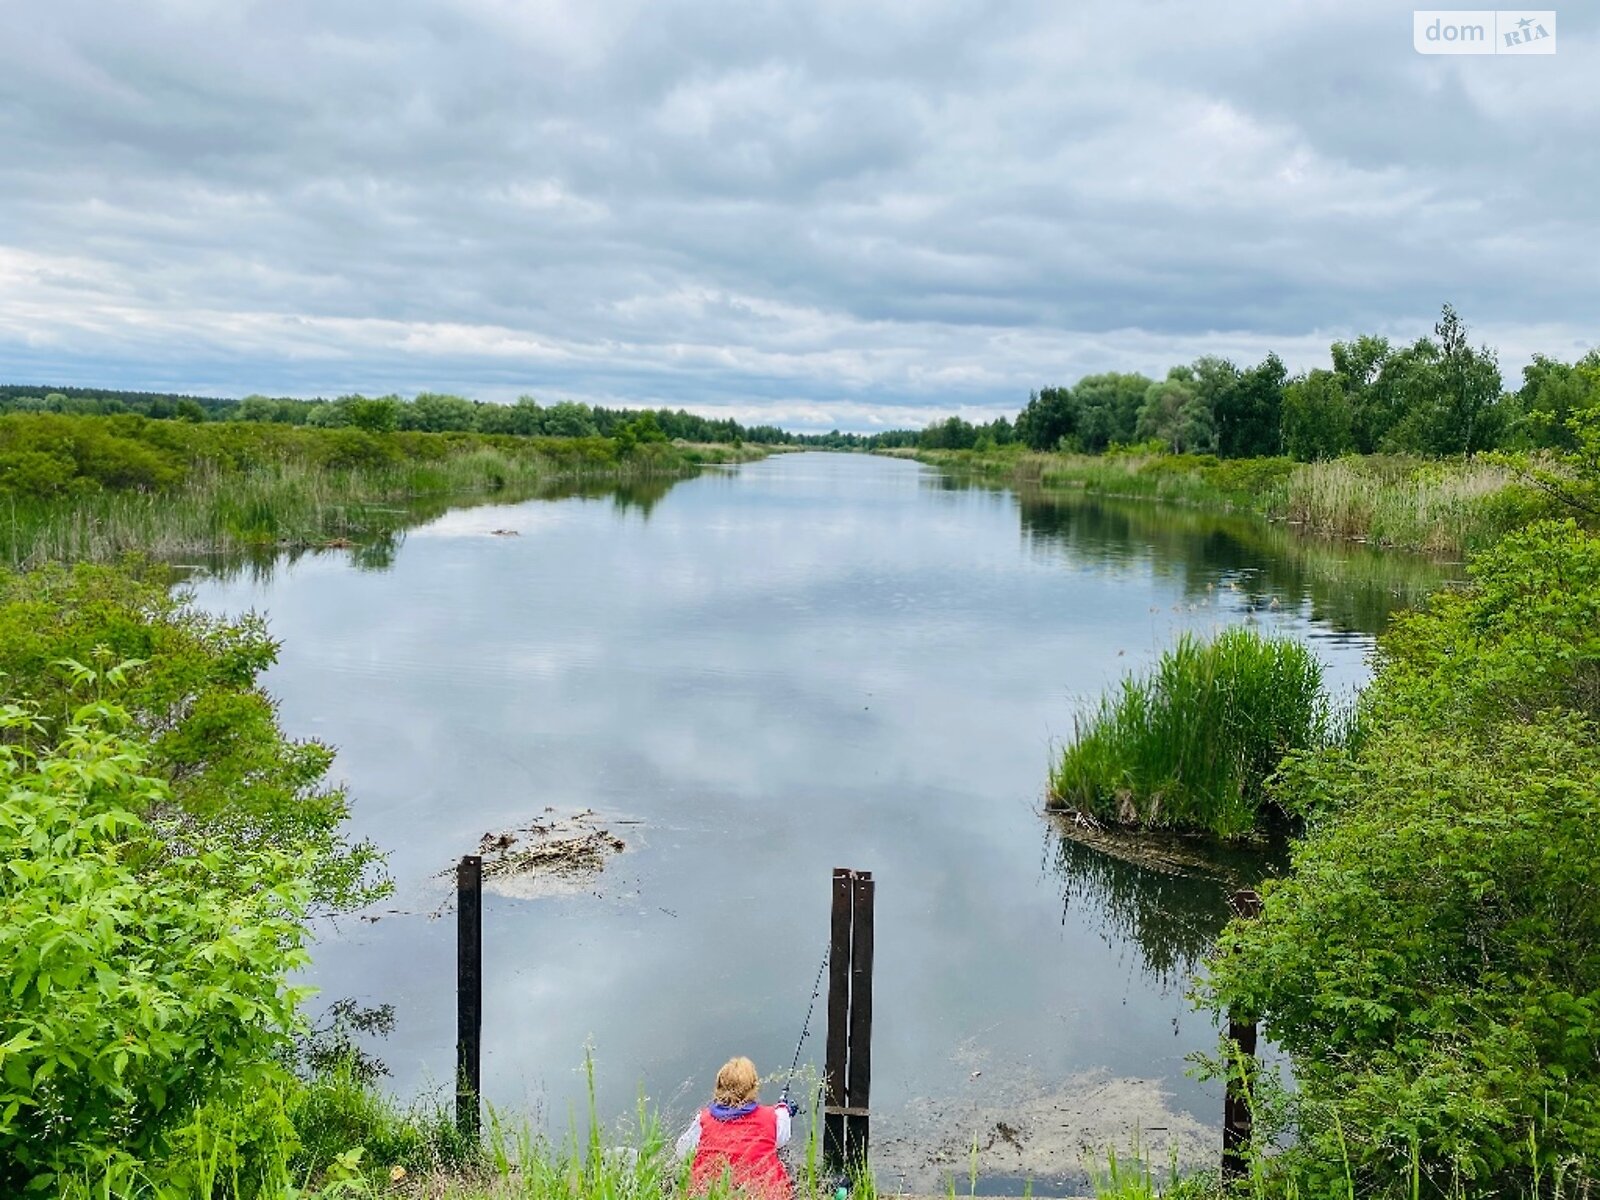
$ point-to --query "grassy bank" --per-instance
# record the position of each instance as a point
(335, 1134)
(95, 488)
(1441, 507)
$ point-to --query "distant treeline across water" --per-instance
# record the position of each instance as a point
(1437, 397)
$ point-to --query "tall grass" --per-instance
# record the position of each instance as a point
(1430, 506)
(1435, 507)
(1280, 1177)
(341, 1138)
(287, 503)
(1190, 746)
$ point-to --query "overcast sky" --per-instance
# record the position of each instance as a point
(810, 213)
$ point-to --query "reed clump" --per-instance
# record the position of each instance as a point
(1431, 506)
(1435, 507)
(318, 488)
(1190, 746)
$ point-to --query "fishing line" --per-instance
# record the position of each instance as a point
(816, 990)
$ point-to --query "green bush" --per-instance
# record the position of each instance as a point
(1249, 475)
(1524, 638)
(1190, 746)
(1432, 965)
(212, 732)
(145, 958)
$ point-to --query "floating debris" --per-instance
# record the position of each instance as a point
(505, 533)
(550, 855)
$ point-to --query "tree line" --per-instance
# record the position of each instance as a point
(427, 412)
(1439, 396)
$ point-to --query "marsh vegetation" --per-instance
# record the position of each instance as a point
(76, 489)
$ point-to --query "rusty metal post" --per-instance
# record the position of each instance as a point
(858, 1087)
(1238, 1116)
(838, 1054)
(469, 992)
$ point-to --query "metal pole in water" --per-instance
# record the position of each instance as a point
(1238, 1118)
(859, 1080)
(849, 1065)
(834, 1091)
(469, 992)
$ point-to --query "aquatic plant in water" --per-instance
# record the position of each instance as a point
(1191, 745)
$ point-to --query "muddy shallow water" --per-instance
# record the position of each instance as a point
(750, 678)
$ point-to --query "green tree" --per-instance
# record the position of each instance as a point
(1049, 419)
(1107, 408)
(1552, 393)
(1247, 408)
(212, 732)
(1445, 394)
(1470, 390)
(376, 415)
(1317, 417)
(1174, 413)
(1431, 963)
(521, 419)
(569, 419)
(324, 414)
(1360, 368)
(438, 412)
(950, 434)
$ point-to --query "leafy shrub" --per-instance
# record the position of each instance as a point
(1190, 746)
(1432, 965)
(145, 961)
(1525, 638)
(1251, 475)
(212, 732)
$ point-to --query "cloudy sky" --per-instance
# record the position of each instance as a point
(815, 213)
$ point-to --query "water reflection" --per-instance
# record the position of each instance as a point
(377, 549)
(1259, 566)
(1165, 897)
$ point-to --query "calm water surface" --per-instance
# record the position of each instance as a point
(807, 662)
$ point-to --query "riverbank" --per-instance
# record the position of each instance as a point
(1436, 507)
(75, 489)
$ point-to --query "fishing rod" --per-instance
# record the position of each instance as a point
(816, 990)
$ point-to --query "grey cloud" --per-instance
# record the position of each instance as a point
(838, 210)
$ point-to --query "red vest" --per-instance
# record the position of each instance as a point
(747, 1148)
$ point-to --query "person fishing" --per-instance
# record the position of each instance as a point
(737, 1136)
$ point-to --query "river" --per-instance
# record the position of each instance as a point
(752, 677)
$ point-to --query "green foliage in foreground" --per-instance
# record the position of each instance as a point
(1432, 964)
(145, 958)
(211, 731)
(1190, 746)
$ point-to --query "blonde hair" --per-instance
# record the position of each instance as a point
(736, 1082)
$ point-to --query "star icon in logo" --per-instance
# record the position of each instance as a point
(1524, 23)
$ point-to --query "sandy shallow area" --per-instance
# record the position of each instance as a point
(1051, 1135)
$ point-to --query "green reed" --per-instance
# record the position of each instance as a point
(1439, 507)
(1190, 745)
(290, 503)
